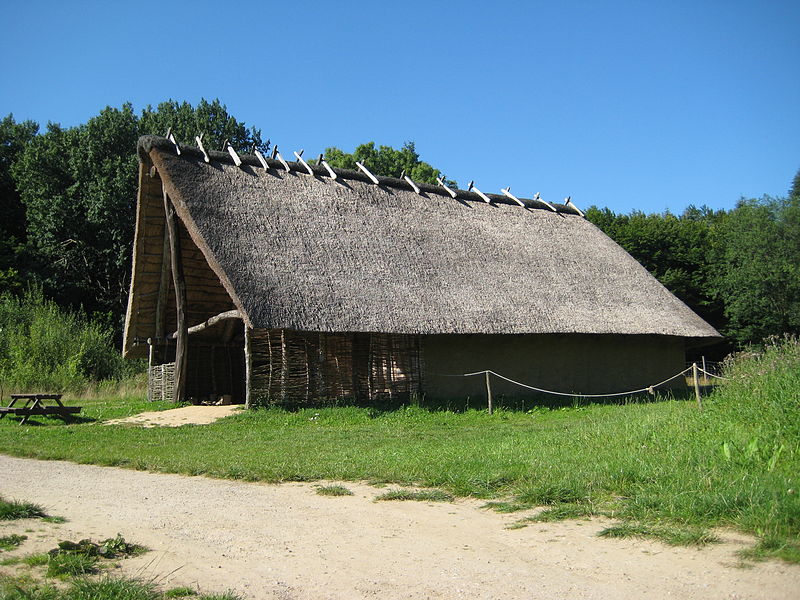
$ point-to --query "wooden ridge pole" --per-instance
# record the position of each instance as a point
(181, 335)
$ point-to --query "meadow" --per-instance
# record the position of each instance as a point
(662, 468)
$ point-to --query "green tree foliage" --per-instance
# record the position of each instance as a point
(677, 250)
(209, 118)
(794, 191)
(78, 186)
(387, 161)
(13, 139)
(758, 276)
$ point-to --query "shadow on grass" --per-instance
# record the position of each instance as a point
(528, 403)
(48, 421)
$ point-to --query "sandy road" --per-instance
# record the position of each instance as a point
(286, 541)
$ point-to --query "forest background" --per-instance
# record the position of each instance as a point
(68, 196)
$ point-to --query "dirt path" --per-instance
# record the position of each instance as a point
(286, 541)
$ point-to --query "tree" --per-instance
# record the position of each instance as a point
(387, 161)
(794, 191)
(13, 138)
(677, 250)
(209, 118)
(78, 186)
(759, 268)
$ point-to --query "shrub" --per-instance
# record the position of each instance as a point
(43, 346)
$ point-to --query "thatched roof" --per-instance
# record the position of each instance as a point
(314, 254)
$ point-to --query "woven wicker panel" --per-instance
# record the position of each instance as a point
(161, 383)
(316, 369)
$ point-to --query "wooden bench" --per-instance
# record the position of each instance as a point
(35, 404)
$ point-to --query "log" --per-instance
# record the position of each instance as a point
(229, 314)
(163, 287)
(180, 299)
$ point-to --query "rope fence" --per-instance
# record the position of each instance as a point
(694, 368)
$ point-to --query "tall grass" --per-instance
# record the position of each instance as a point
(46, 348)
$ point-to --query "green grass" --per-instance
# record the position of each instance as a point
(664, 462)
(333, 490)
(57, 520)
(9, 542)
(563, 512)
(772, 547)
(36, 560)
(417, 495)
(180, 592)
(672, 535)
(11, 510)
(71, 564)
(507, 507)
(25, 587)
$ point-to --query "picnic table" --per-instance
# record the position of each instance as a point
(37, 404)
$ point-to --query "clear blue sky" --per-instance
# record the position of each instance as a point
(630, 105)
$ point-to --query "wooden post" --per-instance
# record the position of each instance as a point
(163, 288)
(489, 392)
(182, 336)
(248, 366)
(705, 373)
(696, 385)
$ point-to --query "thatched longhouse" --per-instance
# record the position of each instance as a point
(282, 287)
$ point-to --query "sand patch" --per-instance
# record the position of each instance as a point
(186, 415)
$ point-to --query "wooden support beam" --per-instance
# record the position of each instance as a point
(181, 350)
(230, 314)
(248, 366)
(163, 286)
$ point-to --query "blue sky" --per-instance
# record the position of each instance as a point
(629, 105)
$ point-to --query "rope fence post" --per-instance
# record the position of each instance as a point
(696, 385)
(705, 372)
(489, 392)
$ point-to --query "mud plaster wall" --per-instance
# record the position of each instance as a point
(589, 364)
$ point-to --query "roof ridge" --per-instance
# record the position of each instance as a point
(147, 143)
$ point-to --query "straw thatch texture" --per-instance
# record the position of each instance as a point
(311, 254)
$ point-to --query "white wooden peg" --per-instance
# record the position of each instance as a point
(447, 189)
(568, 202)
(483, 196)
(507, 192)
(199, 140)
(171, 137)
(368, 173)
(280, 158)
(236, 160)
(538, 198)
(261, 159)
(413, 185)
(331, 172)
(299, 156)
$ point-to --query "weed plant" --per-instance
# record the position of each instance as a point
(60, 565)
(12, 510)
(417, 495)
(9, 542)
(333, 490)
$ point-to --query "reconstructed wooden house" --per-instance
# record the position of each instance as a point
(278, 283)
